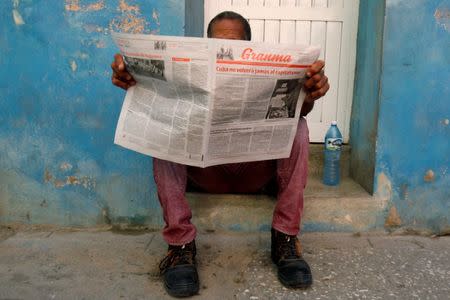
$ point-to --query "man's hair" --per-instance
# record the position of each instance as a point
(231, 15)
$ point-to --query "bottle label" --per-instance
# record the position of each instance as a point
(333, 144)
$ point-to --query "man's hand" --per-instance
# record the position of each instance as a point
(316, 86)
(120, 76)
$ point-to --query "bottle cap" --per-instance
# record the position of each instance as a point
(333, 122)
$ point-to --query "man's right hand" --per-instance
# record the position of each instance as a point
(120, 76)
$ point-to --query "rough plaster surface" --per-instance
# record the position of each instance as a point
(58, 111)
(106, 265)
(57, 108)
(412, 146)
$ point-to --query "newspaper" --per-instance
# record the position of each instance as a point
(204, 102)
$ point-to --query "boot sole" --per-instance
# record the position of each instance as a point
(182, 291)
(291, 285)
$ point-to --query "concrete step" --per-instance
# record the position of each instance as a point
(347, 207)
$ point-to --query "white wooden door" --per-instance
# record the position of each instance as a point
(331, 24)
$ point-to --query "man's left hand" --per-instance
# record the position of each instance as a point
(316, 85)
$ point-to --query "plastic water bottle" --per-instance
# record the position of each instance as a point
(332, 153)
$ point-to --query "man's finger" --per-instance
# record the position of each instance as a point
(118, 60)
(320, 93)
(124, 75)
(316, 67)
(120, 83)
(313, 81)
(322, 82)
(116, 68)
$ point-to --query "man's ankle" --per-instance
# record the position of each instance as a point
(179, 270)
(293, 270)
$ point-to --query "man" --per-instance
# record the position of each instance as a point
(178, 267)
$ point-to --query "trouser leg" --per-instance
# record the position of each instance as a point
(171, 179)
(291, 175)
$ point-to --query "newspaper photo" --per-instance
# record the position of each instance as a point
(204, 102)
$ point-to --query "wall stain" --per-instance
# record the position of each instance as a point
(404, 191)
(128, 24)
(442, 16)
(393, 219)
(73, 66)
(155, 16)
(65, 166)
(58, 183)
(131, 20)
(86, 182)
(18, 20)
(384, 188)
(429, 176)
(125, 7)
(47, 176)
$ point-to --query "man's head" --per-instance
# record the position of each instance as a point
(229, 25)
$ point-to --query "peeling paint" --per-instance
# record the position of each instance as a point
(384, 188)
(74, 5)
(429, 176)
(85, 181)
(83, 56)
(90, 28)
(130, 22)
(442, 16)
(48, 126)
(18, 20)
(59, 183)
(393, 219)
(73, 66)
(155, 16)
(125, 7)
(47, 176)
(419, 190)
(100, 44)
(65, 166)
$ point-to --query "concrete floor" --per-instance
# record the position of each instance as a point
(99, 264)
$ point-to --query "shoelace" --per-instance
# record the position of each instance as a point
(288, 247)
(178, 255)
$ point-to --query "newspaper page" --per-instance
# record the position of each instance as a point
(204, 102)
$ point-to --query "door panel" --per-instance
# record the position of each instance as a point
(332, 24)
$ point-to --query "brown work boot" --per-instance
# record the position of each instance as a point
(293, 270)
(180, 271)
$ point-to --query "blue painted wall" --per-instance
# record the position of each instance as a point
(194, 18)
(413, 145)
(364, 120)
(58, 112)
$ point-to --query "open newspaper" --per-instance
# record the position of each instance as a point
(204, 102)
